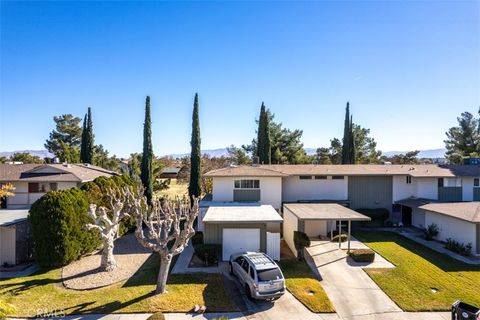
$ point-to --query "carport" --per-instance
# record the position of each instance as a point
(317, 219)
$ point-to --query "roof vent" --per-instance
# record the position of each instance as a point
(88, 165)
(315, 162)
(66, 165)
(387, 162)
(255, 161)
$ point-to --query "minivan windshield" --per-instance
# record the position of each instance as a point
(269, 274)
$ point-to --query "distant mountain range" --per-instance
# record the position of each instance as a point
(39, 153)
(430, 153)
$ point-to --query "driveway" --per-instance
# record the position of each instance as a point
(350, 289)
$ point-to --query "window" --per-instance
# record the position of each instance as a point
(269, 274)
(337, 177)
(33, 187)
(252, 273)
(53, 186)
(476, 182)
(247, 184)
(409, 179)
(320, 177)
(452, 182)
(305, 177)
(244, 265)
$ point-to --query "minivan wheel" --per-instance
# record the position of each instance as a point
(248, 292)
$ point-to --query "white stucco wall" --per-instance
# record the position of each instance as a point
(427, 188)
(314, 228)
(290, 224)
(459, 230)
(403, 190)
(467, 189)
(270, 189)
(7, 245)
(418, 218)
(294, 189)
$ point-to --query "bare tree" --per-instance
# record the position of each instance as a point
(166, 235)
(108, 226)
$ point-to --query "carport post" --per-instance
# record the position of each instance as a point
(331, 229)
(349, 231)
(340, 234)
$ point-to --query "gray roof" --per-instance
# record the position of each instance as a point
(468, 211)
(10, 217)
(245, 214)
(324, 211)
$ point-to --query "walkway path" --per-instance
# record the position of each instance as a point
(181, 266)
(350, 289)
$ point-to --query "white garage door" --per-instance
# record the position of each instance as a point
(239, 240)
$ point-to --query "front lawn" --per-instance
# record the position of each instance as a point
(43, 293)
(423, 279)
(303, 285)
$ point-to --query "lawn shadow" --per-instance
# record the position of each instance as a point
(25, 285)
(442, 261)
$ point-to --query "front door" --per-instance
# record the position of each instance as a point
(406, 216)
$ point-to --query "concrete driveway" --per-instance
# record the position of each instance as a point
(350, 289)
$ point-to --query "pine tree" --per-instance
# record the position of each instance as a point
(263, 137)
(146, 174)
(347, 135)
(83, 141)
(352, 148)
(90, 144)
(194, 188)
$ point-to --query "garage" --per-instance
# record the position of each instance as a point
(243, 228)
(239, 240)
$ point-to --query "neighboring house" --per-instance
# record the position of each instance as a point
(170, 173)
(32, 181)
(347, 186)
(15, 242)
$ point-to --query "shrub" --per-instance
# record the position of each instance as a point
(378, 215)
(58, 222)
(363, 255)
(431, 231)
(461, 248)
(342, 237)
(208, 253)
(96, 194)
(197, 238)
(157, 316)
(301, 240)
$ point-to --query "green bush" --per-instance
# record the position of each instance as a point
(197, 238)
(342, 238)
(96, 194)
(461, 248)
(301, 240)
(363, 255)
(208, 253)
(431, 231)
(156, 316)
(377, 215)
(58, 222)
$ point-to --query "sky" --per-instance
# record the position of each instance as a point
(408, 68)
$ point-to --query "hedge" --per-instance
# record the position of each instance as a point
(197, 238)
(208, 253)
(58, 222)
(363, 255)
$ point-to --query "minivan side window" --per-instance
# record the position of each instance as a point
(245, 266)
(252, 273)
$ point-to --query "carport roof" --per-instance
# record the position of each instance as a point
(245, 214)
(10, 217)
(324, 211)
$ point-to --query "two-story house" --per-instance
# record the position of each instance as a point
(328, 193)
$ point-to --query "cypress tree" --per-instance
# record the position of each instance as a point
(352, 143)
(194, 187)
(146, 173)
(263, 137)
(83, 141)
(89, 137)
(346, 145)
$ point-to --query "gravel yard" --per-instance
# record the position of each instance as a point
(85, 273)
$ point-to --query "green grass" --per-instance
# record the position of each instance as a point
(418, 270)
(43, 293)
(303, 285)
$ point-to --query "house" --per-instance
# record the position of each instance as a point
(15, 242)
(169, 173)
(329, 194)
(32, 181)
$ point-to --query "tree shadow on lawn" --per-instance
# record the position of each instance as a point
(442, 261)
(17, 287)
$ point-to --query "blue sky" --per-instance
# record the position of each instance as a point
(408, 69)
